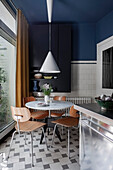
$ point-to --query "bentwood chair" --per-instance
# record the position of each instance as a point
(71, 121)
(61, 112)
(35, 114)
(22, 115)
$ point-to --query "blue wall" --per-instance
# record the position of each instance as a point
(104, 27)
(84, 40)
(86, 36)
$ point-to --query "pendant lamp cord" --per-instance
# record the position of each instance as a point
(49, 36)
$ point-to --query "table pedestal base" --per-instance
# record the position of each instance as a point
(50, 125)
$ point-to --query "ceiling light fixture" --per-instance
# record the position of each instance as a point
(49, 65)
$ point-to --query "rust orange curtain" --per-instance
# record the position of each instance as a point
(22, 64)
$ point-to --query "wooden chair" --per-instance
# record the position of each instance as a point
(40, 114)
(58, 113)
(71, 121)
(22, 115)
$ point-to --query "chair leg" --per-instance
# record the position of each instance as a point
(62, 130)
(11, 144)
(48, 131)
(25, 139)
(54, 133)
(68, 143)
(83, 135)
(32, 148)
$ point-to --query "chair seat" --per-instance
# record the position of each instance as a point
(57, 114)
(29, 126)
(39, 114)
(67, 121)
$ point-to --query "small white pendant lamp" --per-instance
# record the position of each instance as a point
(49, 65)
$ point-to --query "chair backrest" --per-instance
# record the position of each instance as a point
(28, 99)
(73, 112)
(63, 98)
(22, 112)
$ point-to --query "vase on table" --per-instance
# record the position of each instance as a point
(47, 99)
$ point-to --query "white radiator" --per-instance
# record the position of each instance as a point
(74, 100)
(79, 100)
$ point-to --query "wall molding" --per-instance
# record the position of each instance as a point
(104, 41)
(84, 62)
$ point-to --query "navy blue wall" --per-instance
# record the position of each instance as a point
(84, 40)
(104, 27)
(86, 36)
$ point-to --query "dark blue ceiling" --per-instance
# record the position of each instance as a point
(78, 11)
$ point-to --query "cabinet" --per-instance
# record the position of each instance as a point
(61, 50)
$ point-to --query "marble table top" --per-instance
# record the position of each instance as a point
(54, 105)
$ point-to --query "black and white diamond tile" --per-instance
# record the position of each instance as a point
(55, 158)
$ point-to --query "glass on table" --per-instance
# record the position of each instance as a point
(51, 100)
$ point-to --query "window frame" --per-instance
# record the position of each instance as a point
(10, 36)
(7, 33)
(8, 7)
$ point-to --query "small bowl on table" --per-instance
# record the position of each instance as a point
(105, 105)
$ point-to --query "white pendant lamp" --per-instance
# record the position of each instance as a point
(49, 65)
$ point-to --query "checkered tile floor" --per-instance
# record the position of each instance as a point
(53, 159)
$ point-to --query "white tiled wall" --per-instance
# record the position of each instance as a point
(83, 79)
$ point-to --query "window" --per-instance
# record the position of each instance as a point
(7, 66)
(107, 68)
(7, 18)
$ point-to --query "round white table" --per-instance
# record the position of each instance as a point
(54, 105)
